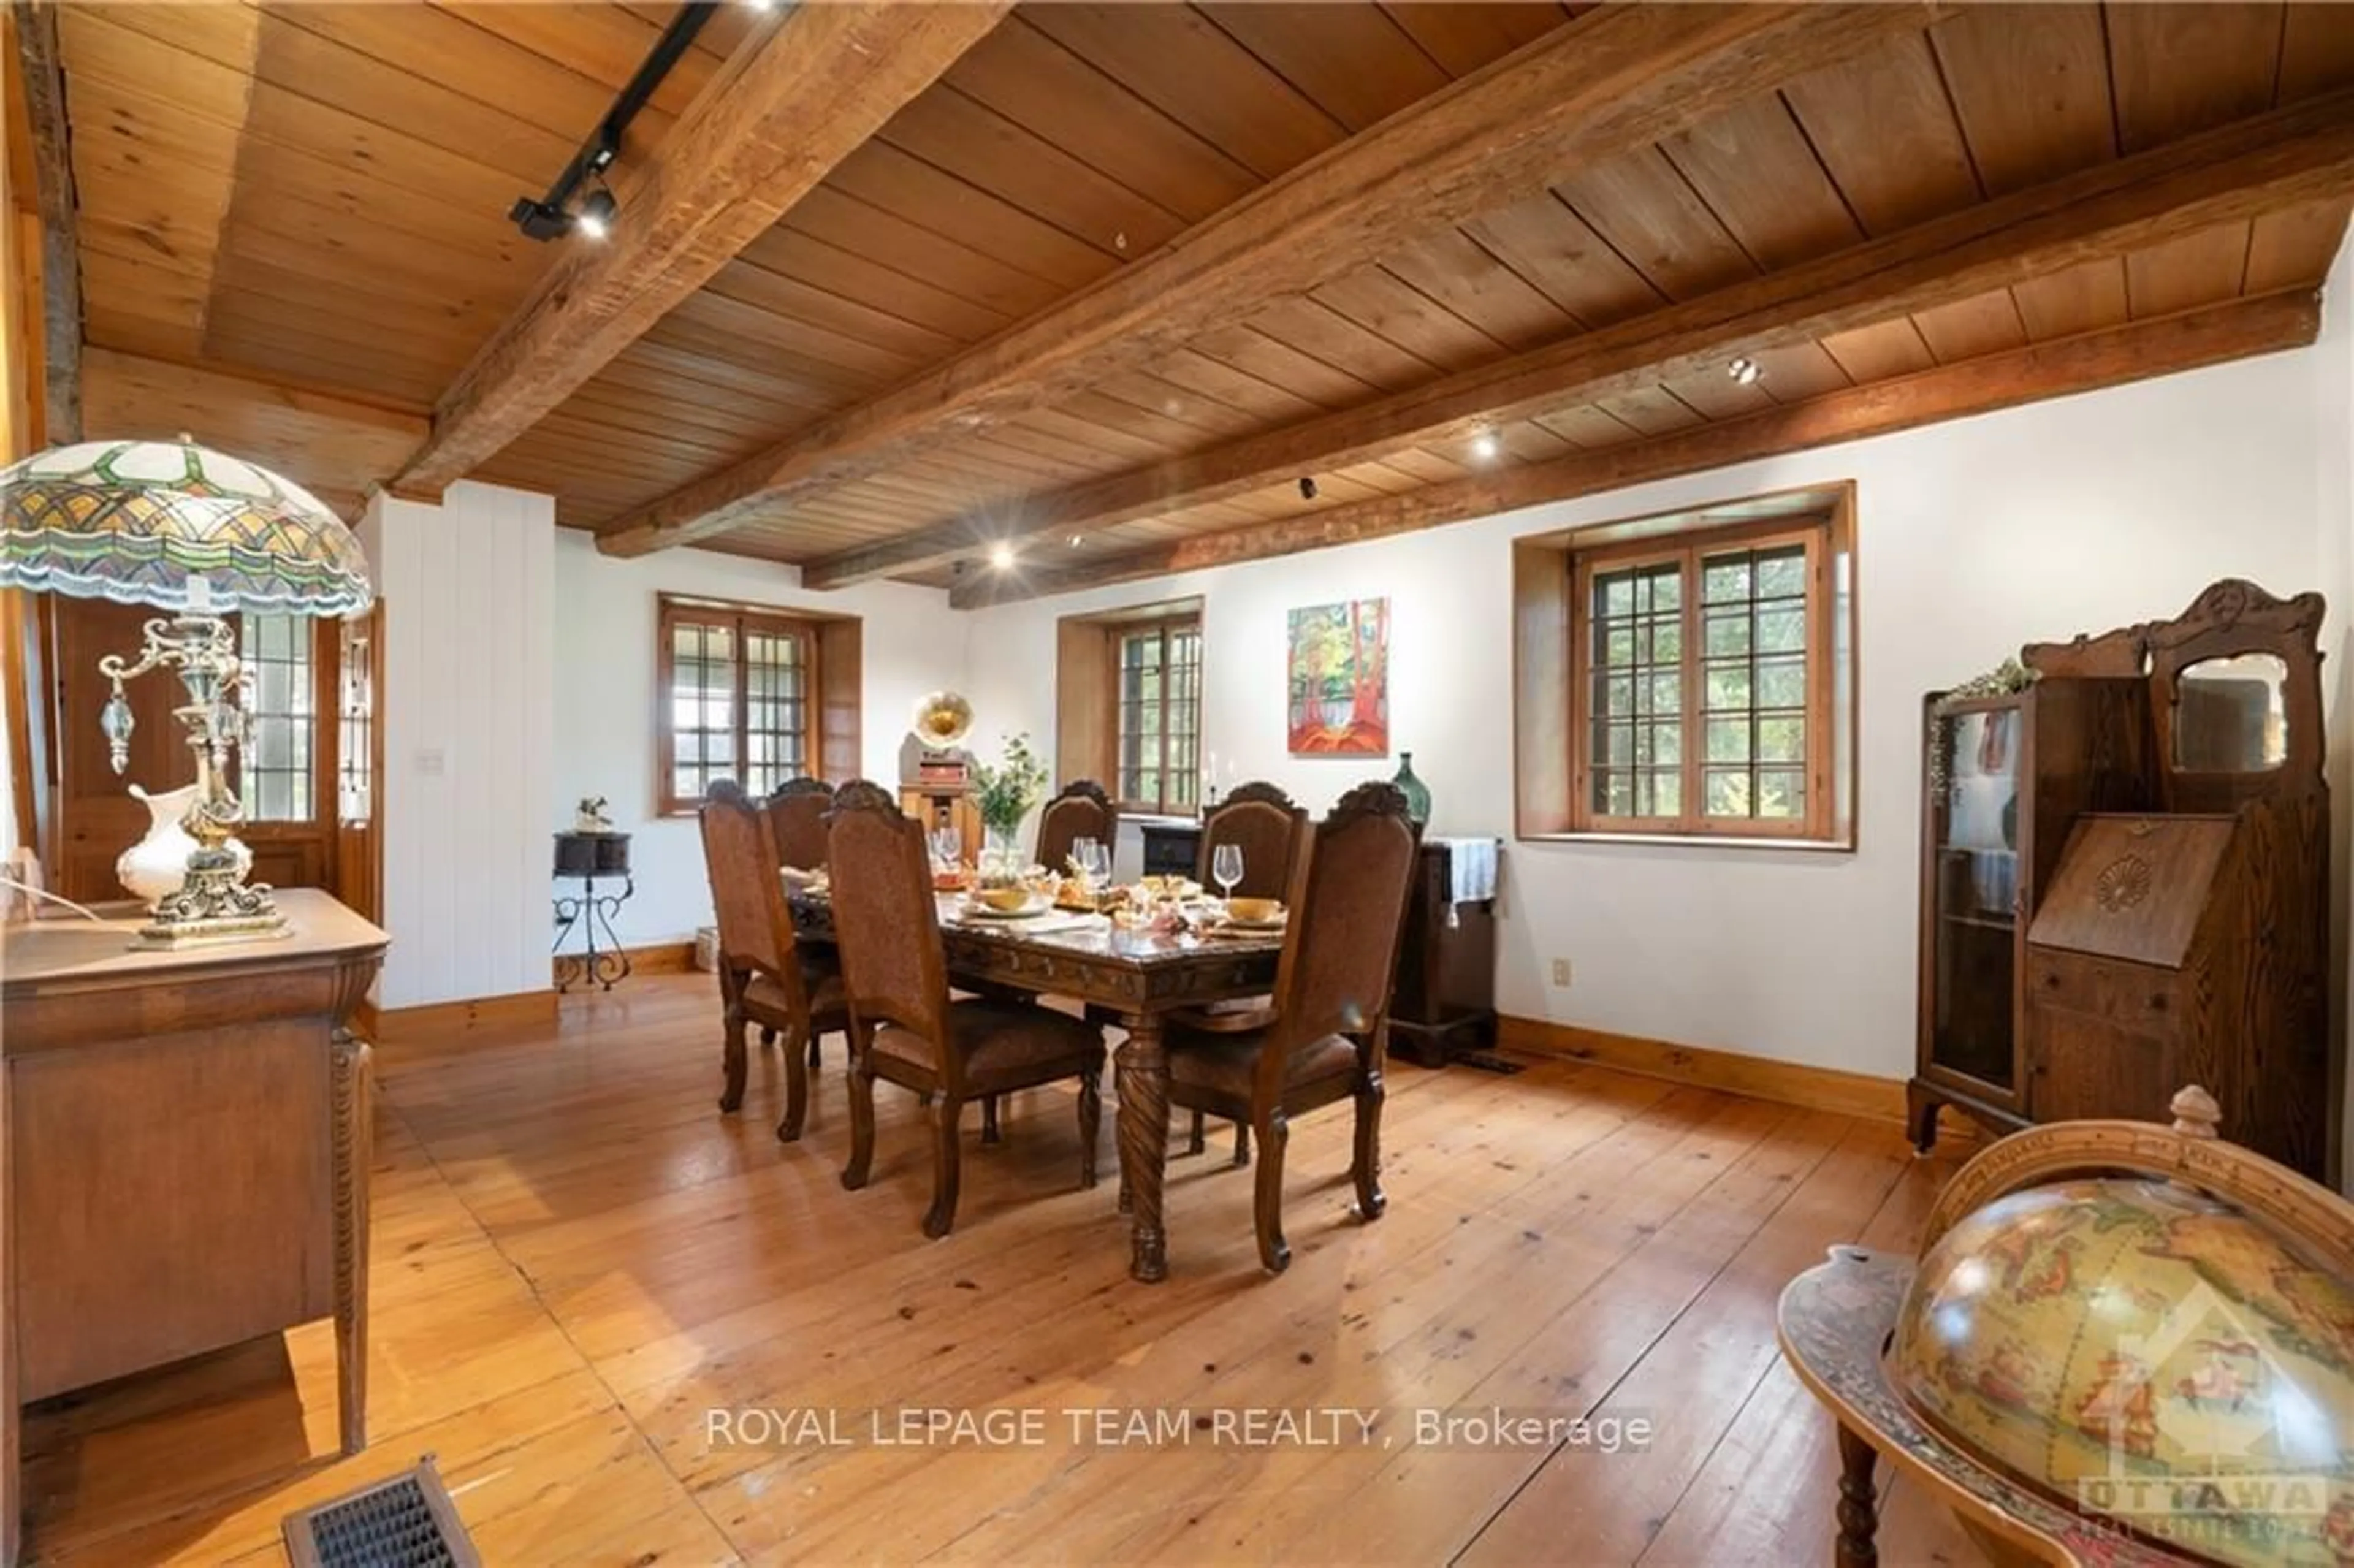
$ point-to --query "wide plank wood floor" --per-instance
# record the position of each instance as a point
(578, 1259)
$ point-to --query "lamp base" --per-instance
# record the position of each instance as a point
(214, 905)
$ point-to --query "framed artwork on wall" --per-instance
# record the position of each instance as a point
(1339, 675)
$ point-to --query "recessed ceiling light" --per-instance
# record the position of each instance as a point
(1076, 540)
(1484, 448)
(1744, 370)
(1001, 555)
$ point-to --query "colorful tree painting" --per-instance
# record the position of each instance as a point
(1339, 672)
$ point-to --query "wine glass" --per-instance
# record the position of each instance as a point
(948, 849)
(1096, 866)
(1083, 854)
(1226, 868)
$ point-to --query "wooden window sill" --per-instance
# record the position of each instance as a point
(1696, 841)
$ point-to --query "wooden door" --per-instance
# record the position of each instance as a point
(359, 845)
(97, 817)
(292, 828)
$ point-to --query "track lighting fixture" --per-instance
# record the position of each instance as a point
(555, 214)
(1745, 371)
(1306, 488)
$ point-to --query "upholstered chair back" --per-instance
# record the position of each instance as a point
(740, 855)
(1348, 913)
(1263, 823)
(1081, 812)
(797, 810)
(885, 919)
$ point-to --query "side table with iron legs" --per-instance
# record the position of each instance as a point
(601, 959)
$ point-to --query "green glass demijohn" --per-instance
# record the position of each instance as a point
(1417, 793)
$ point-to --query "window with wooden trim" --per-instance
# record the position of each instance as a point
(1690, 675)
(1127, 705)
(277, 767)
(1157, 724)
(737, 688)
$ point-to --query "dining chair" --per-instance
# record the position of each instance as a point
(905, 1029)
(1327, 1035)
(1081, 812)
(798, 808)
(762, 978)
(1268, 827)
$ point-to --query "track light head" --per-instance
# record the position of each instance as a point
(1745, 371)
(595, 219)
(539, 219)
(1306, 488)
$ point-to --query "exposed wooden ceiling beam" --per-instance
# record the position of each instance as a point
(1618, 78)
(2107, 358)
(2225, 175)
(42, 76)
(790, 105)
(335, 446)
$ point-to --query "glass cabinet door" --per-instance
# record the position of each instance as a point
(1974, 900)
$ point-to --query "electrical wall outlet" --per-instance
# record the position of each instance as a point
(1561, 971)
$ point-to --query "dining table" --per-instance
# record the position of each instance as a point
(1139, 975)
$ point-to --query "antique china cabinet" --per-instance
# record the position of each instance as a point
(2124, 883)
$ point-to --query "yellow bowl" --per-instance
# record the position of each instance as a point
(1254, 911)
(1004, 900)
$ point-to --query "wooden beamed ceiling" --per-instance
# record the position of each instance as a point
(1124, 273)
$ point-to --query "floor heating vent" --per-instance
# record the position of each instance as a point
(1488, 1062)
(408, 1522)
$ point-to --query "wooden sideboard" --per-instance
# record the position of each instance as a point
(187, 1153)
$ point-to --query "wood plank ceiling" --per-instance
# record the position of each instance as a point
(316, 194)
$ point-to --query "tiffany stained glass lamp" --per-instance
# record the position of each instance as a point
(202, 537)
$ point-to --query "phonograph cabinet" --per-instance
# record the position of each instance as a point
(2124, 883)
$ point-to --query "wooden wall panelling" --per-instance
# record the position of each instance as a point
(2106, 358)
(1416, 172)
(840, 685)
(1541, 617)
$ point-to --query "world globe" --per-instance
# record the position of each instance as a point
(2147, 1357)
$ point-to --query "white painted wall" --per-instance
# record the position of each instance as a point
(469, 726)
(604, 700)
(1973, 537)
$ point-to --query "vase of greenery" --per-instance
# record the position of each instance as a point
(1002, 795)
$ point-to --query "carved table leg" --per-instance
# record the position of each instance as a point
(1859, 1507)
(1144, 1144)
(1120, 1098)
(354, 1137)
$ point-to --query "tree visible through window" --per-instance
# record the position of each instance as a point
(1701, 684)
(736, 697)
(1158, 722)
